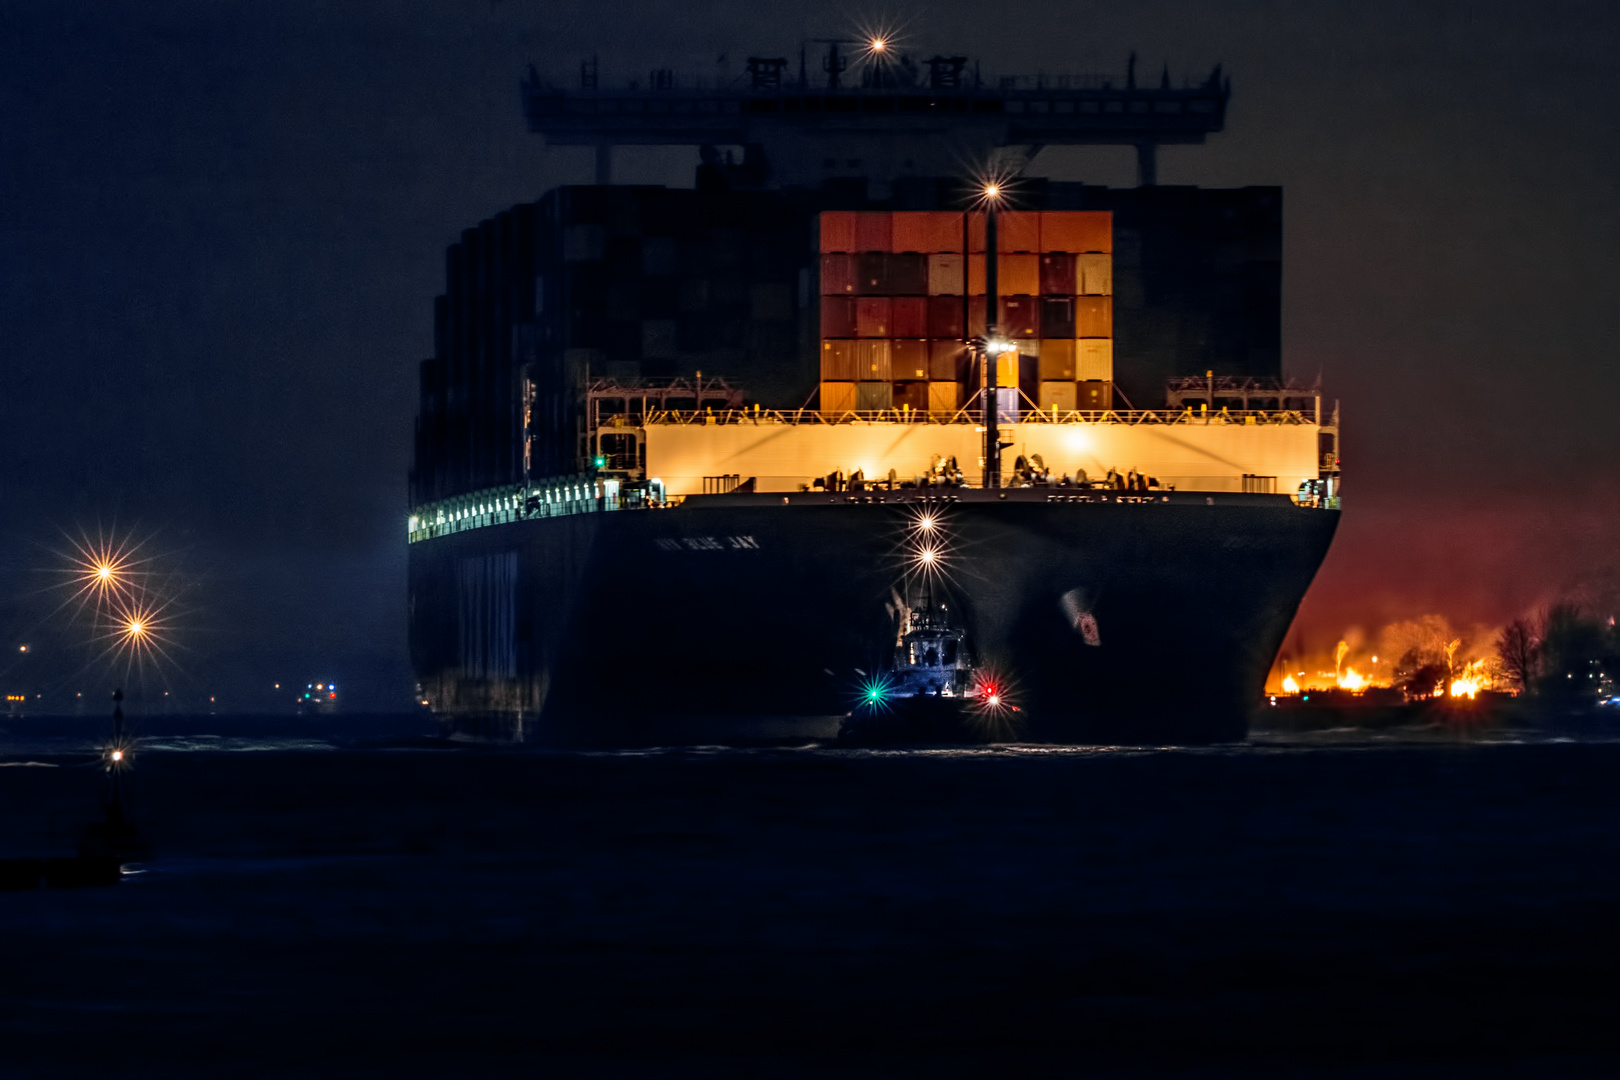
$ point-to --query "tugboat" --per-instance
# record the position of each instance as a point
(930, 690)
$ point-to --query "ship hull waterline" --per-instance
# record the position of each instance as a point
(1108, 618)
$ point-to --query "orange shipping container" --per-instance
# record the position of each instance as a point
(909, 358)
(945, 274)
(1057, 359)
(837, 397)
(1094, 395)
(873, 315)
(1007, 371)
(1094, 359)
(1093, 316)
(1018, 230)
(1077, 230)
(975, 275)
(873, 230)
(1018, 274)
(944, 397)
(926, 231)
(838, 230)
(947, 361)
(873, 361)
(1096, 274)
(838, 361)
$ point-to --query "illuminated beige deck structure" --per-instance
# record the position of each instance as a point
(786, 452)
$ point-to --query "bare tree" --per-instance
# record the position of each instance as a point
(1519, 652)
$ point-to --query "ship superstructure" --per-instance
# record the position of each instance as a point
(670, 440)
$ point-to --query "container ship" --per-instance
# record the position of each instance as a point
(688, 460)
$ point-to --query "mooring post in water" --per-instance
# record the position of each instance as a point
(115, 761)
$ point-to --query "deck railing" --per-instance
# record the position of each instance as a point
(973, 416)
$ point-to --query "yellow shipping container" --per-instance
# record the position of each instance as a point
(837, 397)
(1094, 358)
(1059, 395)
(945, 275)
(1096, 274)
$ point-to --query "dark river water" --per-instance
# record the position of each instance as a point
(348, 897)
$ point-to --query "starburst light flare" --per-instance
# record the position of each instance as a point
(137, 634)
(105, 571)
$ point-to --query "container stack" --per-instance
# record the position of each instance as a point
(901, 292)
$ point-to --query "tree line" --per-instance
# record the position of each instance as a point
(1561, 654)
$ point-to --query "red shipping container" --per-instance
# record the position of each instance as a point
(1057, 275)
(872, 273)
(837, 275)
(1057, 316)
(912, 395)
(838, 361)
(947, 361)
(1093, 316)
(873, 230)
(976, 309)
(908, 358)
(910, 316)
(945, 316)
(1021, 316)
(873, 360)
(1077, 230)
(908, 274)
(1018, 230)
(873, 315)
(838, 230)
(838, 317)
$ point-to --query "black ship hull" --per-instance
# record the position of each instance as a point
(1106, 617)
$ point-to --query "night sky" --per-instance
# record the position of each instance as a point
(224, 226)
